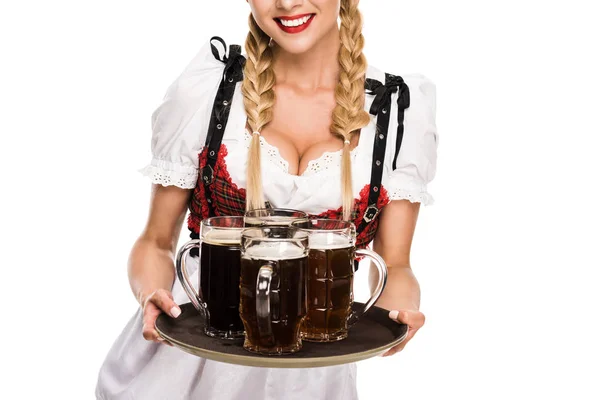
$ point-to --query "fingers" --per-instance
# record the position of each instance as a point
(394, 350)
(156, 303)
(163, 299)
(414, 319)
(151, 311)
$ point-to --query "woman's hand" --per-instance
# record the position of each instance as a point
(414, 320)
(157, 302)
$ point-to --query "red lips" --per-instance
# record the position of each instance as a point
(294, 29)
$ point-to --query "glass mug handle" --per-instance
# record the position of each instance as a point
(263, 300)
(382, 269)
(184, 278)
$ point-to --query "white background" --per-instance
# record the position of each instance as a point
(507, 257)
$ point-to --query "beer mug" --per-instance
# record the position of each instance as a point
(273, 289)
(273, 217)
(219, 276)
(331, 277)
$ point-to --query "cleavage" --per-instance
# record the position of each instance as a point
(300, 151)
(300, 128)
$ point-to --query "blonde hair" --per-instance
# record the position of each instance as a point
(259, 98)
(348, 115)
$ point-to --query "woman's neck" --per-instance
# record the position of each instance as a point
(317, 68)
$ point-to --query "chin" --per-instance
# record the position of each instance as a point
(295, 45)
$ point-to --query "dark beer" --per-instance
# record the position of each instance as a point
(330, 295)
(287, 298)
(219, 284)
(331, 259)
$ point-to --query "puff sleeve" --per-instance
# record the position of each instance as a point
(180, 123)
(416, 162)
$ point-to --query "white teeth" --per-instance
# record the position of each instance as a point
(295, 22)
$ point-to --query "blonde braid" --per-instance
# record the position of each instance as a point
(259, 98)
(349, 115)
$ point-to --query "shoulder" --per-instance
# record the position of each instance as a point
(412, 79)
(422, 95)
(201, 73)
(411, 151)
(422, 89)
(192, 92)
(181, 119)
(419, 82)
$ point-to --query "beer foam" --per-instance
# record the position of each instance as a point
(328, 241)
(223, 237)
(274, 251)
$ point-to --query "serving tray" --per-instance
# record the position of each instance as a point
(371, 336)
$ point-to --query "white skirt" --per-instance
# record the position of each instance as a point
(136, 369)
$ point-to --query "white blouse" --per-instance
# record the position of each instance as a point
(180, 124)
(137, 369)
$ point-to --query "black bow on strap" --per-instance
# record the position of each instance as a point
(234, 66)
(383, 100)
(234, 62)
(383, 93)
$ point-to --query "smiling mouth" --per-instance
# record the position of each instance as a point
(294, 21)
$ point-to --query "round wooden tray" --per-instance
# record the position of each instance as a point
(371, 336)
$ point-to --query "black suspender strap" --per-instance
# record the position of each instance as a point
(381, 107)
(403, 104)
(233, 73)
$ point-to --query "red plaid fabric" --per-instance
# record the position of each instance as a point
(360, 206)
(228, 199)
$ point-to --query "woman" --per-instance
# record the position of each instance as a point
(299, 122)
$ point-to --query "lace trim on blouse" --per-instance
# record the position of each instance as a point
(328, 160)
(414, 197)
(169, 174)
